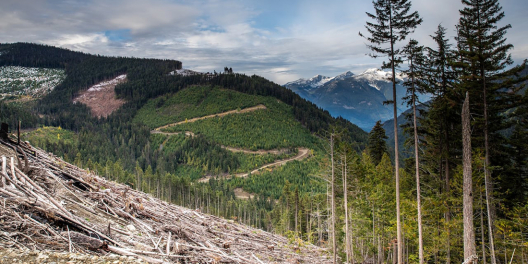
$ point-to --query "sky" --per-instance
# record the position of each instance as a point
(282, 40)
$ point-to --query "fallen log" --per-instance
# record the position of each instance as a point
(86, 241)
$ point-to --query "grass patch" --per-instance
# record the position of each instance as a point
(51, 135)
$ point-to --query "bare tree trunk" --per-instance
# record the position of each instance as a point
(396, 155)
(352, 246)
(334, 244)
(469, 231)
(417, 168)
(380, 250)
(296, 213)
(395, 253)
(319, 228)
(487, 173)
(138, 181)
(487, 182)
(345, 192)
(482, 229)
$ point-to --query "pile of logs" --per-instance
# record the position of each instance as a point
(49, 204)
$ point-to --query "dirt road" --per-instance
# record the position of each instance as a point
(245, 110)
(303, 152)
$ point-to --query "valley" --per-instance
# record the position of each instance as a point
(226, 167)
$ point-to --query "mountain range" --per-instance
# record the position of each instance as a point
(357, 98)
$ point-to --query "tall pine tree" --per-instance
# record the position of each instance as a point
(393, 22)
(442, 128)
(415, 57)
(484, 55)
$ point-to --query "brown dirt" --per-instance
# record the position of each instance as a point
(257, 152)
(303, 153)
(241, 194)
(102, 101)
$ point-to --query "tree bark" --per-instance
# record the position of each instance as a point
(396, 151)
(332, 195)
(417, 168)
(482, 229)
(469, 231)
(345, 191)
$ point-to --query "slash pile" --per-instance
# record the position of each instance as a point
(49, 204)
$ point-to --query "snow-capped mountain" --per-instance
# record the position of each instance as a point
(358, 98)
(318, 80)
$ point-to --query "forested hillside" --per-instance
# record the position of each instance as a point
(124, 146)
(201, 140)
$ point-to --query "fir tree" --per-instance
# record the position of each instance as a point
(484, 55)
(376, 143)
(414, 54)
(441, 128)
(393, 23)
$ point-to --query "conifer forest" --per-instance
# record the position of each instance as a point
(445, 182)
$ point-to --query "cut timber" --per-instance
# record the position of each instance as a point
(55, 196)
(85, 241)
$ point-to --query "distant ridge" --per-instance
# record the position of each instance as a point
(357, 98)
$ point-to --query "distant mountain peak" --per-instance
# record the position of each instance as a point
(344, 75)
(319, 80)
(374, 74)
(313, 82)
(358, 98)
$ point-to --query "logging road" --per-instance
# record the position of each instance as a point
(303, 152)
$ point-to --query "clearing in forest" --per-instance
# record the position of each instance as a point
(302, 152)
(101, 98)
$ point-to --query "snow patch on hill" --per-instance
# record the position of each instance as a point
(103, 85)
(184, 72)
(17, 80)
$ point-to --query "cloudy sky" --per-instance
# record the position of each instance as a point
(282, 40)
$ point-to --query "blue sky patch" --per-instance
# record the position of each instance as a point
(118, 35)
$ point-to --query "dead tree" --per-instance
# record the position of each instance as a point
(469, 230)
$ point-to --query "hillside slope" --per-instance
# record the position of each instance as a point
(285, 142)
(67, 208)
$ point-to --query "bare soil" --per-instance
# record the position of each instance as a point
(241, 194)
(102, 100)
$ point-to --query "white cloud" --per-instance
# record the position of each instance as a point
(72, 40)
(314, 37)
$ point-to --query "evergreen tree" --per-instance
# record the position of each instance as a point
(376, 142)
(440, 127)
(484, 55)
(393, 23)
(414, 54)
